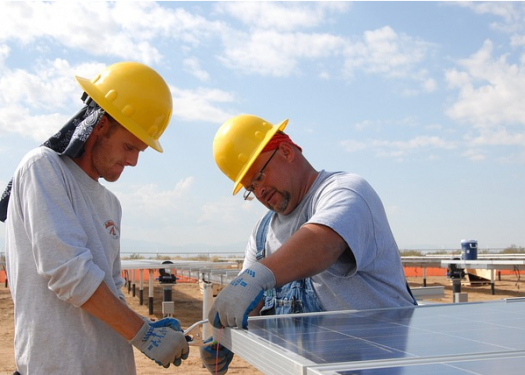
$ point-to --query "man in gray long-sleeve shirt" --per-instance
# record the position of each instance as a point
(63, 235)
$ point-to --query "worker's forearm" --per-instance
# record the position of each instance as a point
(104, 305)
(311, 249)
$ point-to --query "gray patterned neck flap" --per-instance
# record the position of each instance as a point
(68, 141)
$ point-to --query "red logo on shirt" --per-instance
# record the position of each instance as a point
(112, 229)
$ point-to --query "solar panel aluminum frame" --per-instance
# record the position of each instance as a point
(448, 361)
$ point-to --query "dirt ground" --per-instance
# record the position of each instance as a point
(188, 309)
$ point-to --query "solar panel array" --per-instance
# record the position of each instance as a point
(470, 338)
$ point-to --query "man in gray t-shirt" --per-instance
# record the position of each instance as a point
(324, 245)
(328, 226)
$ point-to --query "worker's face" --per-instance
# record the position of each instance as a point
(267, 190)
(114, 149)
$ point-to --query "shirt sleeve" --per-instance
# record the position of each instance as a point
(58, 240)
(347, 212)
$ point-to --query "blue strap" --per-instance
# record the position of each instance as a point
(260, 236)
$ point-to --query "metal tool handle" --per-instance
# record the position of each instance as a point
(194, 334)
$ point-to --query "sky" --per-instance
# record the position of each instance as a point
(425, 100)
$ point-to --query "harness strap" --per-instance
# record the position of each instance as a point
(260, 236)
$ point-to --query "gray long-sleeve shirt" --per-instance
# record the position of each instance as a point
(62, 241)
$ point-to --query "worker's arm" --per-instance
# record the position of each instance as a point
(107, 307)
(312, 249)
(161, 341)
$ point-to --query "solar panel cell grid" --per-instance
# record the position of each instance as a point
(426, 339)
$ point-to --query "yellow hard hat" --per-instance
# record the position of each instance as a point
(238, 142)
(134, 95)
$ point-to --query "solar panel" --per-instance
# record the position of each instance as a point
(469, 338)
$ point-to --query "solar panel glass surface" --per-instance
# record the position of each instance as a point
(425, 339)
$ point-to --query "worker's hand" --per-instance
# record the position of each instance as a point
(162, 344)
(216, 358)
(234, 303)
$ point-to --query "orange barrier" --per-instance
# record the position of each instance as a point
(418, 271)
(128, 275)
(409, 272)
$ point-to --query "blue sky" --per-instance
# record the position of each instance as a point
(423, 99)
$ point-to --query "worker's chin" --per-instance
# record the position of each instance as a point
(278, 205)
(112, 177)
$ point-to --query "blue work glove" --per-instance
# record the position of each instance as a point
(216, 362)
(162, 343)
(242, 295)
(167, 322)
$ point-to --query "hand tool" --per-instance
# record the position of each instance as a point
(194, 334)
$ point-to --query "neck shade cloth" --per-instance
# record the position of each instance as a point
(69, 140)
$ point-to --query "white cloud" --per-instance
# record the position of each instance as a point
(272, 47)
(490, 90)
(429, 85)
(474, 154)
(351, 145)
(193, 67)
(35, 100)
(386, 148)
(123, 29)
(383, 51)
(48, 87)
(149, 199)
(176, 213)
(381, 125)
(269, 52)
(4, 53)
(400, 148)
(38, 128)
(40, 102)
(280, 54)
(517, 41)
(511, 13)
(200, 104)
(497, 137)
(282, 16)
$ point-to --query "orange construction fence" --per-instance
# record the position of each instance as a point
(418, 271)
(409, 272)
(128, 275)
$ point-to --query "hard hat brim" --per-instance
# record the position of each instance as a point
(269, 135)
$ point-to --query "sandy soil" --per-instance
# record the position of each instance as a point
(188, 309)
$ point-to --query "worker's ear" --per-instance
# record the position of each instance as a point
(103, 122)
(103, 126)
(287, 150)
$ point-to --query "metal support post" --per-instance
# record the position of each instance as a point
(151, 292)
(168, 306)
(141, 287)
(207, 302)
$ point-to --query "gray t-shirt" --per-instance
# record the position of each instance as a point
(62, 241)
(371, 275)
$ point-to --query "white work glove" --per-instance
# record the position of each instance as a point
(234, 303)
(161, 343)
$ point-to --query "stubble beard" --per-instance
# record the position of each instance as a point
(103, 164)
(283, 204)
